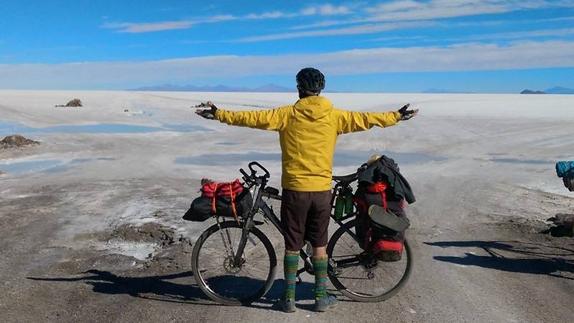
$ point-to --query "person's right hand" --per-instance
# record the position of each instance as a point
(206, 113)
(406, 114)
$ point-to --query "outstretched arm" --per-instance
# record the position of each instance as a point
(273, 119)
(351, 121)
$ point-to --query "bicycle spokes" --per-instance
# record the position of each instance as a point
(239, 270)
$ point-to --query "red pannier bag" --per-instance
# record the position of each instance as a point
(383, 242)
(229, 199)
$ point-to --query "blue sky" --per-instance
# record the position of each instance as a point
(386, 46)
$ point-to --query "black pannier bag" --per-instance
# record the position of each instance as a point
(220, 199)
(569, 182)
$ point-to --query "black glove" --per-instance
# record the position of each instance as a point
(406, 114)
(206, 113)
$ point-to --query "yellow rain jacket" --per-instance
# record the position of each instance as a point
(308, 132)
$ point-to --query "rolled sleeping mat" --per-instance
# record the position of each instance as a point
(569, 182)
(379, 215)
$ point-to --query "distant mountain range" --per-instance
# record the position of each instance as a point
(216, 88)
(282, 89)
(554, 90)
(445, 91)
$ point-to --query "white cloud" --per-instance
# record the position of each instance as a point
(128, 27)
(395, 6)
(131, 27)
(326, 10)
(409, 10)
(461, 57)
(266, 15)
(355, 30)
(146, 27)
(524, 34)
(218, 18)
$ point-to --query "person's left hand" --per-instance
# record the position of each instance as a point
(206, 113)
(406, 114)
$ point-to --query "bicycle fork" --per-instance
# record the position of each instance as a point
(235, 256)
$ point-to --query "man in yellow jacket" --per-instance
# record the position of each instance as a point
(308, 132)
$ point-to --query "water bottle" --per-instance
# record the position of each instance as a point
(339, 206)
(348, 203)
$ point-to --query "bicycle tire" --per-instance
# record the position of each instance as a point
(204, 285)
(356, 295)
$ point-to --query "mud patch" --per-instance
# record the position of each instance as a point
(517, 225)
(150, 246)
(148, 232)
(166, 249)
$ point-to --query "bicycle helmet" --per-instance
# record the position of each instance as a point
(310, 80)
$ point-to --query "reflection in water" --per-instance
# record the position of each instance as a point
(521, 161)
(30, 166)
(342, 158)
(227, 159)
(100, 128)
(46, 165)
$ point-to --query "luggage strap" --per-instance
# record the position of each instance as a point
(379, 187)
(214, 199)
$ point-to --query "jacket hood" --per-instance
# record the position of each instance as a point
(314, 107)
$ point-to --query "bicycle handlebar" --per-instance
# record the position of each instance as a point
(253, 178)
(244, 173)
(341, 179)
(253, 171)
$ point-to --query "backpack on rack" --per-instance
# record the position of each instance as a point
(220, 199)
(381, 220)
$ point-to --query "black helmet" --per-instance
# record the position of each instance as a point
(311, 80)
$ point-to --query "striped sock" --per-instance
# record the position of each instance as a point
(290, 266)
(320, 268)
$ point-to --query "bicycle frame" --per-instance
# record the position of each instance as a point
(268, 214)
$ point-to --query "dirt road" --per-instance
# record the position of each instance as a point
(496, 268)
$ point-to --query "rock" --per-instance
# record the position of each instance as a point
(16, 141)
(563, 225)
(74, 103)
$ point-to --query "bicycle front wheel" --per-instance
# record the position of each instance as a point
(226, 280)
(360, 276)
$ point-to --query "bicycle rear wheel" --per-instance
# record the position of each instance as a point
(361, 277)
(220, 277)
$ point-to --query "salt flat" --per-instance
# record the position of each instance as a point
(482, 167)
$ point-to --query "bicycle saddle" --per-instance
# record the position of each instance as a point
(346, 178)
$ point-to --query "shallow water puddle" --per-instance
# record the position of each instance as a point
(7, 128)
(28, 166)
(45, 165)
(521, 161)
(342, 158)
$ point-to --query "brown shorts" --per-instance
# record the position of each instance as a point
(305, 217)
